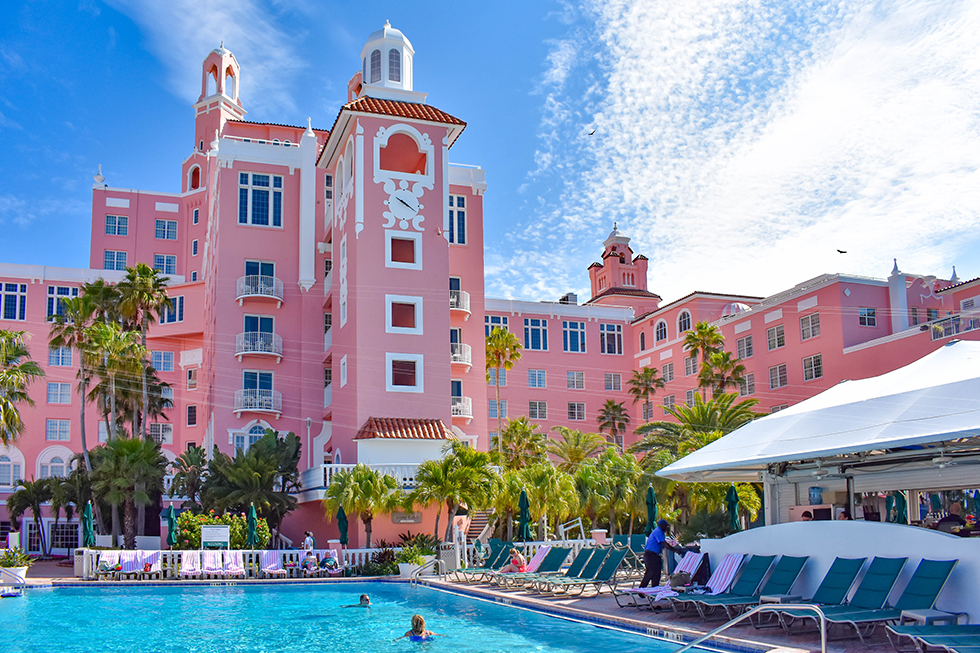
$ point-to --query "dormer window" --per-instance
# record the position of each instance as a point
(394, 66)
(376, 66)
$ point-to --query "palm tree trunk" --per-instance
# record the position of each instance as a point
(510, 525)
(112, 407)
(500, 432)
(451, 510)
(115, 525)
(84, 386)
(130, 526)
(40, 532)
(435, 531)
(541, 527)
(612, 522)
(367, 530)
(146, 393)
(140, 513)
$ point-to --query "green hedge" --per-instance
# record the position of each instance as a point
(189, 529)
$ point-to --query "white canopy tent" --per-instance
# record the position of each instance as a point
(913, 427)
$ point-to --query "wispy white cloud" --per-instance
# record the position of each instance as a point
(182, 32)
(742, 144)
(21, 212)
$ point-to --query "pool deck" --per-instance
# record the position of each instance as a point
(597, 609)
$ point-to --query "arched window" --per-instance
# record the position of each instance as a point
(212, 87)
(230, 83)
(394, 65)
(643, 341)
(661, 331)
(254, 433)
(195, 181)
(402, 154)
(9, 471)
(349, 163)
(683, 322)
(54, 467)
(376, 66)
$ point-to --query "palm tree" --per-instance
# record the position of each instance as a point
(142, 298)
(519, 444)
(30, 495)
(614, 417)
(503, 351)
(17, 371)
(574, 447)
(250, 478)
(644, 385)
(720, 372)
(70, 329)
(551, 492)
(505, 497)
(703, 341)
(118, 350)
(592, 487)
(364, 492)
(190, 475)
(128, 472)
(623, 473)
(462, 477)
(721, 414)
(104, 298)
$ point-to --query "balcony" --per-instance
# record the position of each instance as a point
(322, 476)
(953, 325)
(461, 355)
(462, 407)
(327, 396)
(258, 401)
(255, 343)
(259, 286)
(459, 300)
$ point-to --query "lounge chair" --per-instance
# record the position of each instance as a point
(920, 594)
(690, 563)
(574, 569)
(832, 590)
(131, 564)
(190, 564)
(151, 565)
(108, 564)
(549, 566)
(871, 593)
(927, 635)
(605, 576)
(958, 639)
(492, 564)
(589, 571)
(212, 564)
(781, 580)
(272, 564)
(498, 578)
(234, 564)
(747, 584)
(492, 553)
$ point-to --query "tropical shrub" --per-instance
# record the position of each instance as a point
(705, 524)
(427, 544)
(189, 529)
(382, 563)
(15, 558)
(410, 555)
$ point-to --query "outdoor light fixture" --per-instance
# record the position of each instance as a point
(820, 472)
(942, 460)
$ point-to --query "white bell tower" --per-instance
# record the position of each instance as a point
(386, 65)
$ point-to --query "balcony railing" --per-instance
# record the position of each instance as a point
(258, 343)
(258, 401)
(462, 407)
(459, 300)
(261, 286)
(327, 395)
(460, 353)
(323, 476)
(954, 324)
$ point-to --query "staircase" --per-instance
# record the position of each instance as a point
(478, 521)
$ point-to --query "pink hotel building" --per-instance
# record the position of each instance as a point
(330, 283)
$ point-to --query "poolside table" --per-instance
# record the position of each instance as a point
(930, 617)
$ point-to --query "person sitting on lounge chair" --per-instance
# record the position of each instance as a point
(309, 564)
(418, 633)
(517, 564)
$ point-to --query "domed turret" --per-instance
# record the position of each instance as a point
(386, 61)
(734, 309)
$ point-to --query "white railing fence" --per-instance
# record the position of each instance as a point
(460, 300)
(462, 407)
(260, 284)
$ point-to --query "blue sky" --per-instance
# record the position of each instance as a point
(741, 144)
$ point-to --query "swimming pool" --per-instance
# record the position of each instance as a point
(286, 618)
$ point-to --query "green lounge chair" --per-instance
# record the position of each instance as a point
(551, 564)
(780, 581)
(589, 571)
(833, 588)
(920, 594)
(746, 584)
(951, 643)
(916, 633)
(605, 575)
(493, 561)
(574, 569)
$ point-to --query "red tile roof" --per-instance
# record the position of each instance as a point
(404, 429)
(629, 292)
(274, 124)
(368, 104)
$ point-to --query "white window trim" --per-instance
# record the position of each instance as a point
(343, 371)
(53, 451)
(419, 360)
(403, 299)
(391, 234)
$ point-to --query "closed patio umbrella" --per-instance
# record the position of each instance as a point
(976, 503)
(252, 535)
(88, 530)
(901, 508)
(731, 500)
(171, 516)
(937, 503)
(524, 517)
(651, 510)
(889, 504)
(343, 525)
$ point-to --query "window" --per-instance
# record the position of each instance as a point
(493, 376)
(866, 317)
(683, 322)
(14, 301)
(59, 357)
(573, 336)
(113, 260)
(747, 386)
(194, 275)
(404, 372)
(166, 230)
(167, 394)
(647, 411)
(667, 372)
(403, 250)
(65, 536)
(191, 379)
(914, 316)
(166, 263)
(192, 415)
(375, 66)
(576, 380)
(691, 364)
(59, 393)
(457, 219)
(53, 468)
(809, 326)
(777, 376)
(57, 429)
(775, 337)
(812, 367)
(162, 361)
(328, 187)
(492, 321)
(576, 411)
(403, 314)
(611, 338)
(668, 403)
(931, 314)
(259, 199)
(327, 377)
(776, 409)
(536, 379)
(614, 381)
(643, 341)
(174, 312)
(343, 371)
(493, 409)
(55, 294)
(103, 432)
(535, 334)
(197, 215)
(9, 472)
(194, 247)
(245, 440)
(394, 65)
(661, 331)
(537, 410)
(161, 433)
(743, 347)
(689, 396)
(116, 225)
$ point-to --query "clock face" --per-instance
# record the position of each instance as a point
(403, 204)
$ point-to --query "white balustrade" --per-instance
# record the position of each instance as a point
(257, 342)
(262, 401)
(462, 407)
(259, 285)
(404, 474)
(461, 353)
(459, 300)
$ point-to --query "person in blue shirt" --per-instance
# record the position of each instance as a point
(652, 553)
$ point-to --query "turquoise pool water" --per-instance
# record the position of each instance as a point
(286, 618)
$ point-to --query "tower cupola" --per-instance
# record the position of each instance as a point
(220, 75)
(386, 66)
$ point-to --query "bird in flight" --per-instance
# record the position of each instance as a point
(840, 251)
(591, 132)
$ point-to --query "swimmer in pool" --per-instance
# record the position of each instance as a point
(365, 602)
(418, 633)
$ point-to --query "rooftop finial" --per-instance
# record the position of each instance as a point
(99, 179)
(615, 225)
(955, 279)
(895, 267)
(222, 43)
(387, 23)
